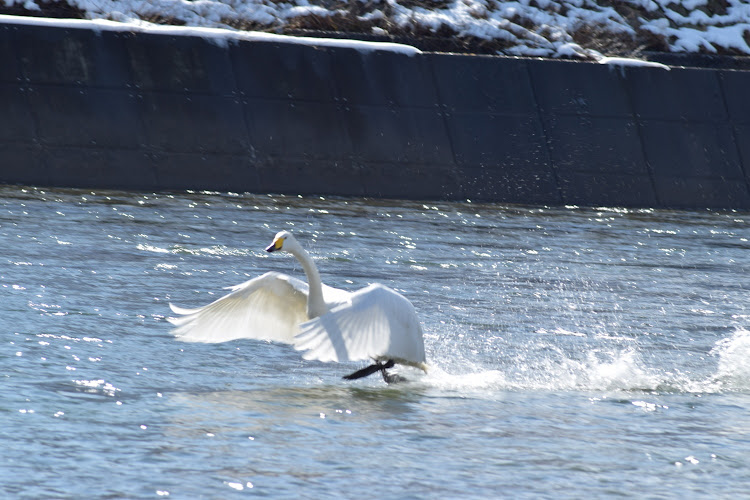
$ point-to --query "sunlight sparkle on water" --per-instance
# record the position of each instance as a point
(560, 341)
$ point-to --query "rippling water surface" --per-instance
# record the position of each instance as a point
(574, 352)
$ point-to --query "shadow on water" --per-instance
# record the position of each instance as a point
(272, 411)
(393, 400)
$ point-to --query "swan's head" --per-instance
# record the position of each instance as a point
(282, 241)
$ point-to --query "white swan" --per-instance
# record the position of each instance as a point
(329, 324)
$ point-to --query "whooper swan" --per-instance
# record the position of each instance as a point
(374, 323)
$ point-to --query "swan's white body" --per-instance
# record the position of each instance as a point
(329, 324)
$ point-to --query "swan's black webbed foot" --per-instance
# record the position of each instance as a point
(364, 372)
(378, 366)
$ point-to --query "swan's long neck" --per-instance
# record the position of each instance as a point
(316, 306)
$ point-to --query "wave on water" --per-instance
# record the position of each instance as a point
(212, 251)
(726, 368)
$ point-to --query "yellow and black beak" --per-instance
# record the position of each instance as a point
(276, 245)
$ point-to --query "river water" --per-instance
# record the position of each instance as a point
(574, 352)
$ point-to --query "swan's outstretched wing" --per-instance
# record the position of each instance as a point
(269, 307)
(376, 323)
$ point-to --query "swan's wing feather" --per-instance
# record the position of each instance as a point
(375, 323)
(269, 307)
(334, 297)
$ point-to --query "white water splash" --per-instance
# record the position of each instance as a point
(596, 371)
(545, 367)
(478, 380)
(556, 371)
(733, 371)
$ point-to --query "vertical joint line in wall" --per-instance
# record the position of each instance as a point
(37, 147)
(441, 108)
(240, 98)
(342, 108)
(735, 141)
(137, 95)
(547, 146)
(27, 89)
(149, 153)
(639, 131)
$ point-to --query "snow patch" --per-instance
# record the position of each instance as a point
(216, 35)
(624, 61)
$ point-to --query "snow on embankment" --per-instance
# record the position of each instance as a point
(548, 28)
(216, 35)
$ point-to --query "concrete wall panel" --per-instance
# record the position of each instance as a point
(98, 168)
(83, 116)
(22, 164)
(16, 124)
(193, 123)
(691, 149)
(283, 71)
(679, 94)
(70, 56)
(742, 139)
(534, 184)
(602, 189)
(408, 181)
(490, 139)
(736, 89)
(151, 111)
(397, 135)
(695, 192)
(178, 64)
(217, 172)
(483, 84)
(296, 130)
(382, 79)
(564, 87)
(9, 70)
(583, 143)
(312, 177)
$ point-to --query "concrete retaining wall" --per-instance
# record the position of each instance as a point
(159, 112)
